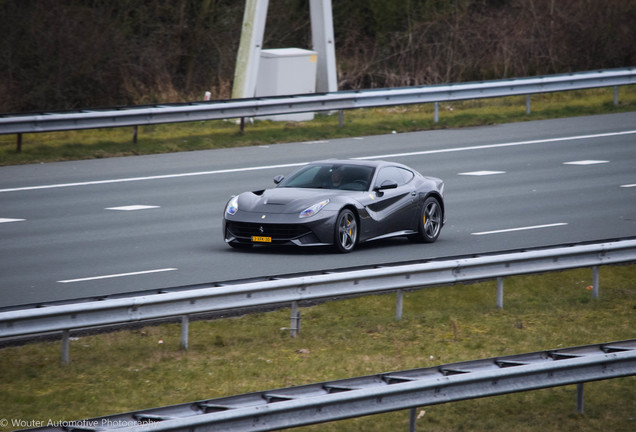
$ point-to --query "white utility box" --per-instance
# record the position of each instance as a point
(287, 71)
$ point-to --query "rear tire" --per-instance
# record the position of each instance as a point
(346, 231)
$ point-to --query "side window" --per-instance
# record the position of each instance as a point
(406, 174)
(398, 175)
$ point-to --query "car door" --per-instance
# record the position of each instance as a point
(391, 204)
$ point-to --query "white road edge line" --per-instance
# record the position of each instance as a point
(628, 185)
(519, 229)
(158, 177)
(117, 275)
(510, 144)
(258, 168)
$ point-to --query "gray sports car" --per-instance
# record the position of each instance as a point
(340, 203)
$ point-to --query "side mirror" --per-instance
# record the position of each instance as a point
(278, 179)
(387, 184)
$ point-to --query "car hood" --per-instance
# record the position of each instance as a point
(284, 200)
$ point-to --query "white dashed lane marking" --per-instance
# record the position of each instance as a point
(117, 275)
(7, 220)
(132, 207)
(586, 162)
(520, 229)
(481, 173)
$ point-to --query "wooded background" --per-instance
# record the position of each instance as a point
(68, 54)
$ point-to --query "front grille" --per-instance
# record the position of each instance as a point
(275, 231)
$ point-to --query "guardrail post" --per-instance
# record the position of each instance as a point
(412, 419)
(295, 320)
(615, 95)
(399, 302)
(500, 292)
(185, 326)
(595, 288)
(436, 116)
(66, 341)
(527, 104)
(580, 398)
(135, 133)
(341, 118)
(18, 147)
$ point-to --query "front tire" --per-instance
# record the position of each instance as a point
(431, 218)
(346, 231)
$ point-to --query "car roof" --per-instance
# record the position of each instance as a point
(359, 162)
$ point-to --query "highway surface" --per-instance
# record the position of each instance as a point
(92, 228)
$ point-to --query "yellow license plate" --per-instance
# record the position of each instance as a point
(261, 239)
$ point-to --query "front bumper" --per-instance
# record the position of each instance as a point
(280, 229)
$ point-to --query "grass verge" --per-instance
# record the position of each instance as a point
(136, 369)
(177, 137)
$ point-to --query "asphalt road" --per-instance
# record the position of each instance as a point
(91, 228)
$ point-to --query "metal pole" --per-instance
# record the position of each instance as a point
(294, 319)
(595, 281)
(65, 346)
(436, 116)
(298, 322)
(527, 104)
(412, 419)
(398, 304)
(18, 148)
(500, 292)
(580, 398)
(185, 326)
(340, 118)
(135, 132)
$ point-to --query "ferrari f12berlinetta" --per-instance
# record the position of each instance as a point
(340, 203)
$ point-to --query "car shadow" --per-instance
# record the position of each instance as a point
(314, 250)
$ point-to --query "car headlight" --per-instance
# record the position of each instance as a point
(232, 206)
(310, 211)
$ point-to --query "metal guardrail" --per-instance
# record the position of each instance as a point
(92, 314)
(375, 394)
(240, 108)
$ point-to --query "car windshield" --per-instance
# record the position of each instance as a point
(331, 176)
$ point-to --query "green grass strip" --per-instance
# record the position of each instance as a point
(178, 137)
(138, 369)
